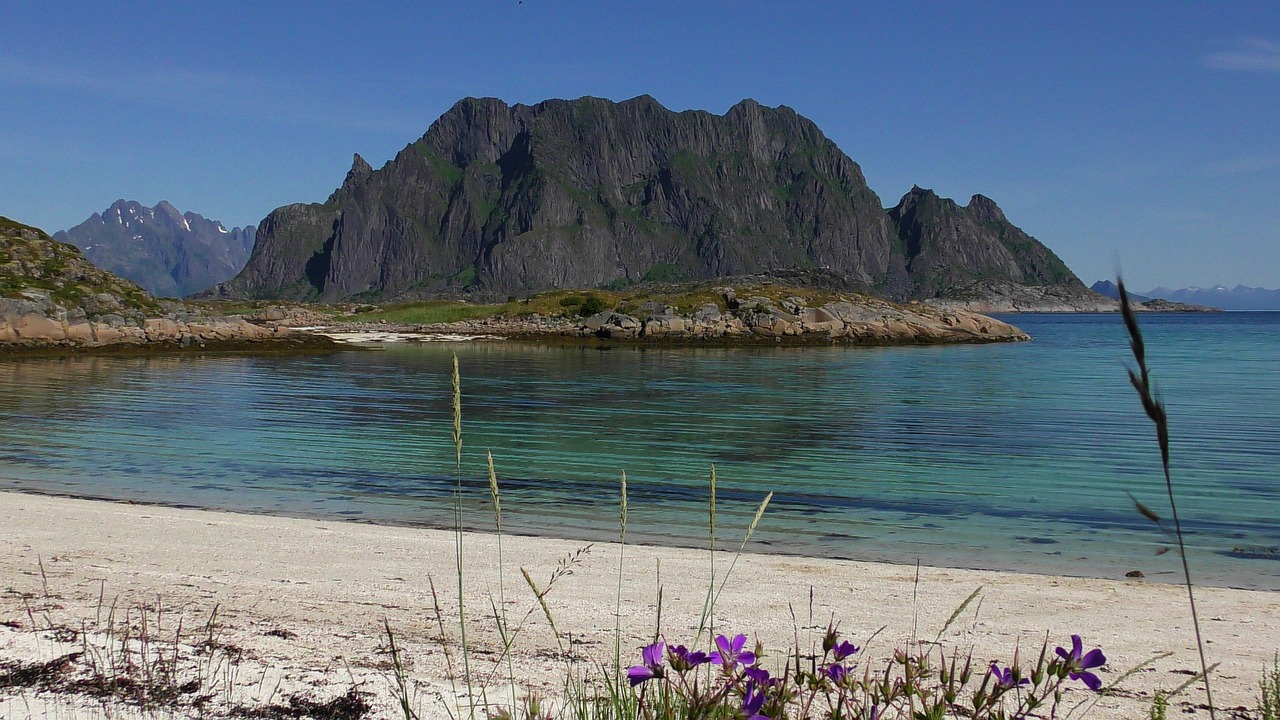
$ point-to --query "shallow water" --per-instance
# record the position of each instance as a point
(1017, 456)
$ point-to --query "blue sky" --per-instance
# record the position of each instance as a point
(1140, 133)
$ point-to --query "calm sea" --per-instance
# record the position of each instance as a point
(1020, 456)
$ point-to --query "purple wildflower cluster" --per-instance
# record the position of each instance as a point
(739, 674)
(826, 685)
(729, 654)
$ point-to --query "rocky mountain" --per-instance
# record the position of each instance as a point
(955, 251)
(51, 296)
(1239, 297)
(1109, 289)
(167, 252)
(503, 199)
(35, 268)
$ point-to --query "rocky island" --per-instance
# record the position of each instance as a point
(500, 200)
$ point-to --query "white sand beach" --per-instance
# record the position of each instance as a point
(302, 603)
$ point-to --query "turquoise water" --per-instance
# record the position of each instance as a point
(1011, 456)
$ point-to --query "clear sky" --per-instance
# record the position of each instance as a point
(1144, 134)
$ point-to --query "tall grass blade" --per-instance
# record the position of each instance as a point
(1191, 681)
(401, 675)
(500, 614)
(444, 641)
(1155, 410)
(707, 620)
(457, 533)
(657, 626)
(546, 609)
(457, 410)
(617, 610)
(751, 529)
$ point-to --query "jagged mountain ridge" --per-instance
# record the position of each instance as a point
(1240, 297)
(167, 252)
(588, 193)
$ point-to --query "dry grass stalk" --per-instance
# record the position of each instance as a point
(1155, 410)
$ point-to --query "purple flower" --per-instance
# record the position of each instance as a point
(730, 653)
(752, 701)
(836, 672)
(651, 657)
(844, 650)
(1079, 665)
(759, 676)
(682, 659)
(1005, 679)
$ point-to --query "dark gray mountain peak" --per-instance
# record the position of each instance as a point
(986, 210)
(360, 168)
(126, 205)
(1106, 288)
(359, 172)
(952, 250)
(508, 199)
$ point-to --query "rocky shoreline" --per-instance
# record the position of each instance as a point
(52, 299)
(853, 320)
(36, 324)
(1008, 298)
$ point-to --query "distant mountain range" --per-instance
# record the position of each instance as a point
(504, 199)
(167, 252)
(1239, 297)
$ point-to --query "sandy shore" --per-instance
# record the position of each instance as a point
(301, 605)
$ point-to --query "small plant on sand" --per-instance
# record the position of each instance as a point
(1269, 700)
(1159, 707)
(146, 659)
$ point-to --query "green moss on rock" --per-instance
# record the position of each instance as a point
(34, 265)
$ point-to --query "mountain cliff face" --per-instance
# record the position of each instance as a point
(169, 253)
(959, 251)
(588, 193)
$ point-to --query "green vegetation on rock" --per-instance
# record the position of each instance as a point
(34, 266)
